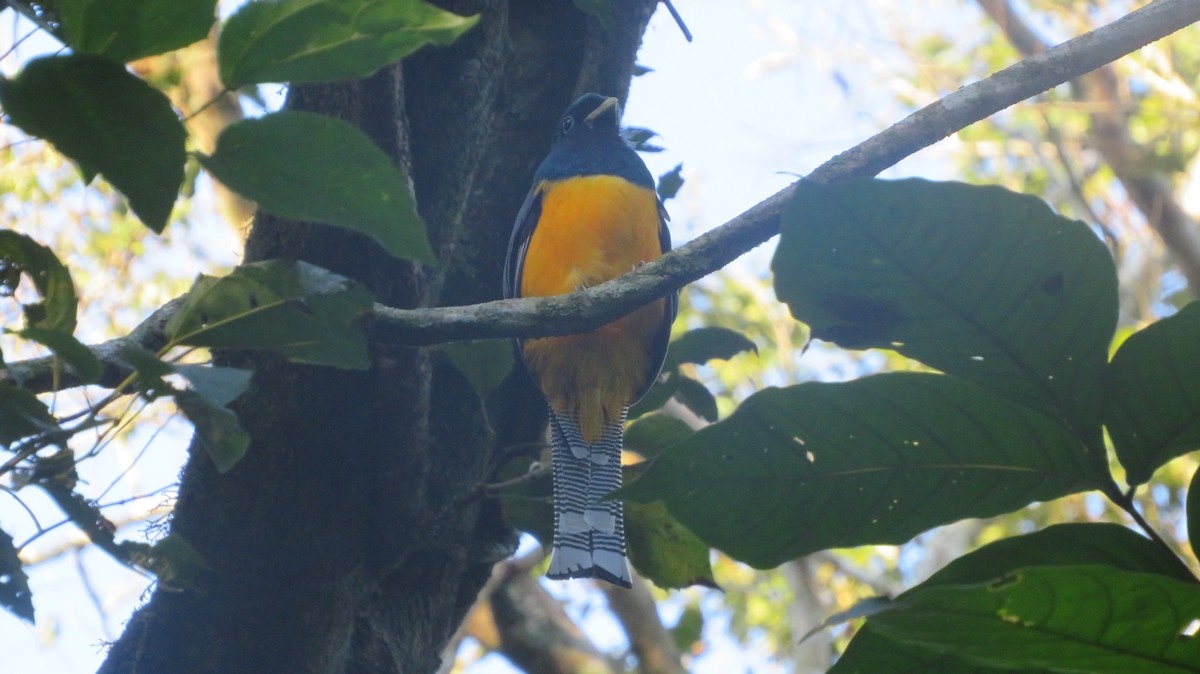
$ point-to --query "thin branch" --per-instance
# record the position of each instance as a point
(591, 308)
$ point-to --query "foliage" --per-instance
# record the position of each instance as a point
(1012, 307)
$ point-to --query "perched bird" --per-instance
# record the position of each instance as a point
(591, 215)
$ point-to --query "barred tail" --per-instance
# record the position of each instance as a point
(589, 533)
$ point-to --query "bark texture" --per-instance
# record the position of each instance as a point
(346, 540)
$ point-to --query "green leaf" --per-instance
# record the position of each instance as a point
(651, 434)
(1152, 394)
(68, 349)
(670, 182)
(871, 651)
(216, 385)
(696, 397)
(108, 122)
(871, 461)
(22, 415)
(19, 255)
(173, 560)
(1094, 619)
(689, 629)
(978, 282)
(1063, 545)
(217, 429)
(485, 364)
(126, 30)
(322, 40)
(663, 550)
(303, 312)
(14, 584)
(709, 343)
(310, 167)
(149, 368)
(657, 396)
(1193, 514)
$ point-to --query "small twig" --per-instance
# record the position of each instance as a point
(540, 471)
(20, 501)
(207, 105)
(1125, 502)
(687, 34)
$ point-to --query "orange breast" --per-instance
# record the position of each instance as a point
(592, 229)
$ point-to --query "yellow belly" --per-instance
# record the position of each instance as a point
(592, 229)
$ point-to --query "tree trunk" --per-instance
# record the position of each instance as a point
(347, 539)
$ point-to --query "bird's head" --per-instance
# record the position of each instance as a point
(590, 114)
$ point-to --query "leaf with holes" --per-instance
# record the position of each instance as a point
(1066, 618)
(314, 168)
(978, 282)
(1152, 394)
(323, 40)
(126, 30)
(14, 584)
(21, 255)
(107, 121)
(303, 312)
(872, 461)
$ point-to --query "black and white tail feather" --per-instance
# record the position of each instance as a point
(589, 532)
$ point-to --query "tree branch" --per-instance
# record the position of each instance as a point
(591, 308)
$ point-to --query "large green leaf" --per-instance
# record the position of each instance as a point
(19, 255)
(1063, 545)
(14, 584)
(870, 652)
(1093, 619)
(663, 550)
(109, 122)
(871, 461)
(320, 40)
(22, 415)
(125, 30)
(978, 282)
(301, 311)
(1152, 394)
(320, 169)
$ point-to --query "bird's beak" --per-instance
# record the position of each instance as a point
(607, 104)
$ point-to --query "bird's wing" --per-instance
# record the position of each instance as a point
(518, 243)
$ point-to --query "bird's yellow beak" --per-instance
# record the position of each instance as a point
(607, 104)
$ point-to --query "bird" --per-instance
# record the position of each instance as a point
(591, 215)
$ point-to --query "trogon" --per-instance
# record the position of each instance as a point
(591, 215)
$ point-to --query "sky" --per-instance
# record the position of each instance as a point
(768, 90)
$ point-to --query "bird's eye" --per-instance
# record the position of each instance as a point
(568, 123)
